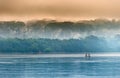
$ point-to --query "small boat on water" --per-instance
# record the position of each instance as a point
(87, 55)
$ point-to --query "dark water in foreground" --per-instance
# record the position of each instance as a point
(95, 67)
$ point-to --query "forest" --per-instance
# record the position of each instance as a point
(91, 44)
(42, 36)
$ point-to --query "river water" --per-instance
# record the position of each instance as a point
(62, 67)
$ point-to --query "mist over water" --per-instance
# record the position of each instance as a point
(100, 35)
(59, 55)
(51, 49)
(60, 48)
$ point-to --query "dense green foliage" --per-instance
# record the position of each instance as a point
(42, 36)
(58, 30)
(36, 46)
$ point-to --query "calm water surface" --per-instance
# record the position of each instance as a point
(95, 67)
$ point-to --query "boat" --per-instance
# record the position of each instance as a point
(87, 55)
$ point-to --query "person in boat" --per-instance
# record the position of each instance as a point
(87, 55)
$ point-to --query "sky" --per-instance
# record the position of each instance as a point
(59, 9)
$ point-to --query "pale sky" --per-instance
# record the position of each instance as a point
(59, 9)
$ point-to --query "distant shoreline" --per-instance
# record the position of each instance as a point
(57, 55)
